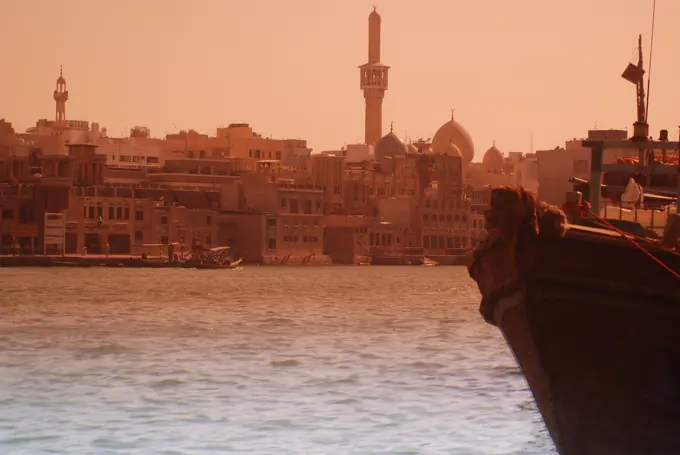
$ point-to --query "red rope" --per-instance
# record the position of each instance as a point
(585, 206)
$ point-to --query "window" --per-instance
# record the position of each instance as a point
(164, 220)
(283, 202)
(272, 244)
(164, 239)
(139, 215)
(126, 213)
(139, 237)
(7, 214)
(112, 212)
(208, 219)
(271, 222)
(208, 240)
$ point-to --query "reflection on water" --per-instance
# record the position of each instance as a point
(260, 360)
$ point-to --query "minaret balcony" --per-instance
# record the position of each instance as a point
(373, 85)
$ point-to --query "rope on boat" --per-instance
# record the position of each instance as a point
(585, 206)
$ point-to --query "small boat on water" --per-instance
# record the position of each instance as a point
(211, 259)
(590, 311)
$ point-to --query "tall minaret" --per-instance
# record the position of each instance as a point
(60, 98)
(373, 81)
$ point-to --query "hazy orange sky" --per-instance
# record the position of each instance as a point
(289, 68)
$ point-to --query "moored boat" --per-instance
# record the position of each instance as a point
(592, 321)
(591, 310)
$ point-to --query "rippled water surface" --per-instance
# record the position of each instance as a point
(260, 360)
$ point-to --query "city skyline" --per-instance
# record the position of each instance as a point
(199, 90)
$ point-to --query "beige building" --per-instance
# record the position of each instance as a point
(557, 166)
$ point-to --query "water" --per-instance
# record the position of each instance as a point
(260, 360)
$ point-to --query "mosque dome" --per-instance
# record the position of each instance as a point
(453, 132)
(493, 160)
(453, 150)
(374, 16)
(390, 145)
(412, 148)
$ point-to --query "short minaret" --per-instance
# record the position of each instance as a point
(60, 98)
(373, 81)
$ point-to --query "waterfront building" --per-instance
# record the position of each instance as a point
(272, 200)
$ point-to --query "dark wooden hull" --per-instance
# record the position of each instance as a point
(595, 327)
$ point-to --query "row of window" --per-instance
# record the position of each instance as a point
(378, 239)
(295, 204)
(384, 192)
(296, 239)
(450, 205)
(264, 154)
(442, 242)
(445, 218)
(296, 223)
(120, 212)
(139, 239)
(135, 159)
(26, 214)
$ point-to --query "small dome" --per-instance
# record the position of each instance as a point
(374, 16)
(390, 145)
(453, 132)
(453, 150)
(493, 160)
(412, 148)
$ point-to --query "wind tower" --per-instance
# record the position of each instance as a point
(60, 98)
(373, 81)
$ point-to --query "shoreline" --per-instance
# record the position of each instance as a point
(123, 261)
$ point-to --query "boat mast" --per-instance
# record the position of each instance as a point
(641, 111)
